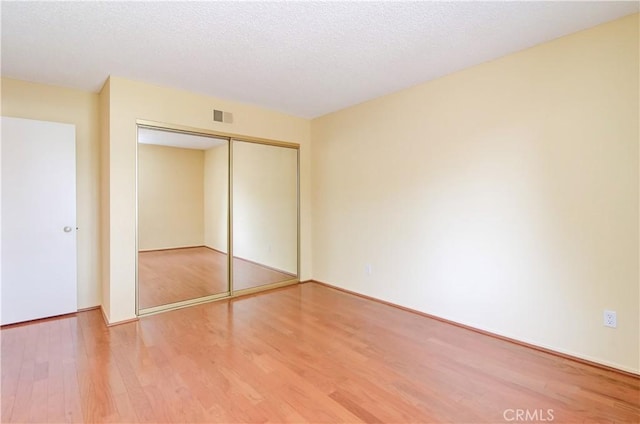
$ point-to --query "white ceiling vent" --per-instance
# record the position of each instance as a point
(222, 116)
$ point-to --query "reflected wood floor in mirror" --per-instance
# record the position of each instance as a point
(304, 353)
(174, 275)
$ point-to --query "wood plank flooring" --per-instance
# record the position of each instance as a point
(173, 275)
(304, 353)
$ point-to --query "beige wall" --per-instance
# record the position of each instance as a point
(216, 199)
(264, 205)
(131, 100)
(42, 102)
(170, 197)
(504, 196)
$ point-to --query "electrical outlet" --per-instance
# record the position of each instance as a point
(610, 319)
(367, 269)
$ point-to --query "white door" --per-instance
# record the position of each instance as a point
(38, 251)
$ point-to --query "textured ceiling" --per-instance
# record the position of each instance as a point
(302, 58)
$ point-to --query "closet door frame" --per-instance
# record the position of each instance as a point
(231, 293)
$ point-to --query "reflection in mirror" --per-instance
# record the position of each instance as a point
(265, 214)
(182, 217)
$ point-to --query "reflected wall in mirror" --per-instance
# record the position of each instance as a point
(265, 214)
(182, 217)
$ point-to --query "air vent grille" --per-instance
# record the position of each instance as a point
(222, 116)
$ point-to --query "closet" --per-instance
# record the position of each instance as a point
(217, 216)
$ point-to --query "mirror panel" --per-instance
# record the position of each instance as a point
(265, 214)
(182, 217)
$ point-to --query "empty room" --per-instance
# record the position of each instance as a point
(320, 212)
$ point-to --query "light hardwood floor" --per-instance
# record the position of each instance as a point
(173, 275)
(304, 353)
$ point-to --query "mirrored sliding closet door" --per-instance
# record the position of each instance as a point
(182, 218)
(265, 215)
(192, 189)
